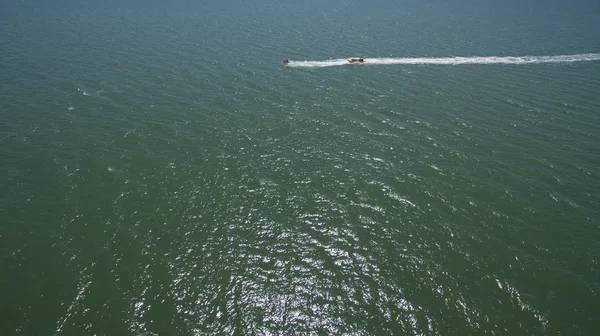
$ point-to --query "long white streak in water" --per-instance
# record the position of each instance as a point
(452, 60)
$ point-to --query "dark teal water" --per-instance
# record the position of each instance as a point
(164, 174)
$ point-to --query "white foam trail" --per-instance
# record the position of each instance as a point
(453, 60)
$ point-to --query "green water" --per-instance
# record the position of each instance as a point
(164, 174)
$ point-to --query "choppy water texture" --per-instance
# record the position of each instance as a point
(163, 173)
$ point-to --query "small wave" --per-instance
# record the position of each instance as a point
(453, 60)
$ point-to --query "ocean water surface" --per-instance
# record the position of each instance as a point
(163, 173)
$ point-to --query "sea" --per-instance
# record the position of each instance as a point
(163, 172)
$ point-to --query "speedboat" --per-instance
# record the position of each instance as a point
(356, 60)
(286, 61)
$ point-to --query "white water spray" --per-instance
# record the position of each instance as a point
(452, 60)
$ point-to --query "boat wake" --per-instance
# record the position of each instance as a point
(453, 60)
